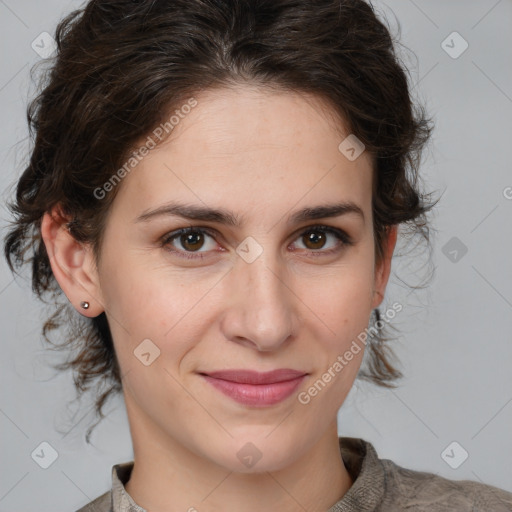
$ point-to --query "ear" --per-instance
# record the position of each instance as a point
(383, 270)
(72, 264)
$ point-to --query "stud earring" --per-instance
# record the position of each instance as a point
(84, 304)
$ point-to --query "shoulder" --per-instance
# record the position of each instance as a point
(102, 503)
(423, 491)
(381, 485)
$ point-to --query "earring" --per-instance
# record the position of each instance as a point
(84, 304)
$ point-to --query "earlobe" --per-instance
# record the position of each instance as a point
(384, 269)
(72, 264)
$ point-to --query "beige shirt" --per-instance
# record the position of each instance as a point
(379, 485)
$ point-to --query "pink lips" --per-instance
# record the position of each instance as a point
(255, 388)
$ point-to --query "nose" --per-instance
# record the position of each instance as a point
(261, 310)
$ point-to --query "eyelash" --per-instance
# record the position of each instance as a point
(190, 255)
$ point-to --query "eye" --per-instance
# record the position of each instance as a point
(315, 239)
(191, 240)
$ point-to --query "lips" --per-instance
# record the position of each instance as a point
(255, 378)
(254, 388)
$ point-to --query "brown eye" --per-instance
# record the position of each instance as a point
(314, 239)
(324, 240)
(192, 241)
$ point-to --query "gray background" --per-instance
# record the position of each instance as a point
(456, 336)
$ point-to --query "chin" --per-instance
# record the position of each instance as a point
(255, 454)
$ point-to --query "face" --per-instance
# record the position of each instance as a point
(259, 289)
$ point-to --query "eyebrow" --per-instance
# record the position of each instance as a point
(223, 216)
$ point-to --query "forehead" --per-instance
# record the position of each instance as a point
(251, 147)
(228, 121)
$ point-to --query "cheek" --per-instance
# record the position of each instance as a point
(157, 306)
(145, 294)
(341, 299)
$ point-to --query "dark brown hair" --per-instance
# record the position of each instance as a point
(122, 66)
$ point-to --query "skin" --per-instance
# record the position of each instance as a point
(262, 155)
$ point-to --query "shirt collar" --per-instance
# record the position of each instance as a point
(121, 500)
(367, 472)
(359, 457)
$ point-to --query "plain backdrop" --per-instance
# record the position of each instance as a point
(455, 343)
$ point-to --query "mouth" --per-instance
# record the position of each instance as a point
(257, 389)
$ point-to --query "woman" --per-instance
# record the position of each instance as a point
(216, 187)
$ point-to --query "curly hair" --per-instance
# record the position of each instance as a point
(121, 66)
